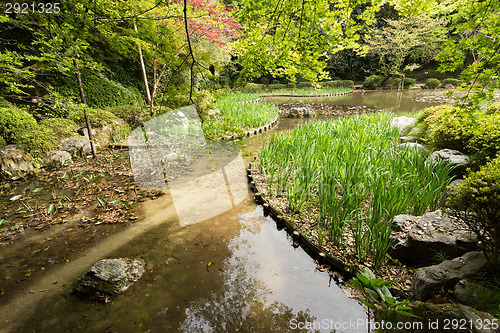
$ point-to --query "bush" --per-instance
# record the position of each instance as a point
(476, 200)
(254, 87)
(346, 83)
(408, 82)
(62, 127)
(372, 82)
(14, 121)
(2, 142)
(449, 127)
(454, 82)
(493, 109)
(291, 85)
(98, 118)
(38, 141)
(276, 86)
(264, 80)
(485, 138)
(432, 83)
(304, 85)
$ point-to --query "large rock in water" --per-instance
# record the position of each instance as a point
(109, 278)
(301, 112)
(14, 162)
(419, 239)
(402, 123)
(428, 280)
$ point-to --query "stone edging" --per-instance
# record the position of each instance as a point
(253, 131)
(312, 249)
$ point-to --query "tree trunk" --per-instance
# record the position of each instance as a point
(144, 76)
(82, 96)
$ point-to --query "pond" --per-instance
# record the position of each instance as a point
(233, 272)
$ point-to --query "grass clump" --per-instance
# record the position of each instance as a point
(432, 83)
(350, 171)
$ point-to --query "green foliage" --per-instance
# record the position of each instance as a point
(2, 142)
(476, 200)
(452, 81)
(350, 171)
(15, 77)
(372, 82)
(276, 86)
(432, 83)
(378, 298)
(408, 83)
(38, 141)
(291, 85)
(133, 115)
(253, 87)
(484, 140)
(13, 122)
(61, 127)
(98, 118)
(304, 85)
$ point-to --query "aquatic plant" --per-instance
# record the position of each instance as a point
(352, 172)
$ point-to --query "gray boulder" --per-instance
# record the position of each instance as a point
(55, 158)
(428, 280)
(14, 162)
(301, 112)
(75, 145)
(109, 278)
(402, 123)
(419, 239)
(458, 160)
(412, 145)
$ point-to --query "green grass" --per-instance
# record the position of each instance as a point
(350, 171)
(236, 116)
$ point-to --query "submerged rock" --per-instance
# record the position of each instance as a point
(109, 278)
(428, 280)
(448, 317)
(14, 162)
(419, 239)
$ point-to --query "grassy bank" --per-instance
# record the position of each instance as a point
(354, 179)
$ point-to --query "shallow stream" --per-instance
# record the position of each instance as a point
(235, 272)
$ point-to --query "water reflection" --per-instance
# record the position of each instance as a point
(270, 288)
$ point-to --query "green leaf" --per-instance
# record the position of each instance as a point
(101, 201)
(38, 189)
(16, 197)
(65, 175)
(115, 201)
(7, 185)
(51, 209)
(2, 223)
(15, 177)
(408, 314)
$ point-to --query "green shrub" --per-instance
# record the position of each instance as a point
(14, 121)
(455, 82)
(493, 109)
(346, 83)
(98, 118)
(390, 83)
(62, 127)
(449, 127)
(254, 87)
(372, 82)
(476, 200)
(264, 80)
(485, 138)
(432, 83)
(305, 85)
(291, 85)
(2, 142)
(131, 114)
(38, 141)
(276, 86)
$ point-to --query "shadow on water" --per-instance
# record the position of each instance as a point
(232, 272)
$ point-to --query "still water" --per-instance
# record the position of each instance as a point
(235, 272)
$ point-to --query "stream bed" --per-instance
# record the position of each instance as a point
(235, 272)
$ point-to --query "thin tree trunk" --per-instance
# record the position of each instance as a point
(144, 76)
(82, 96)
